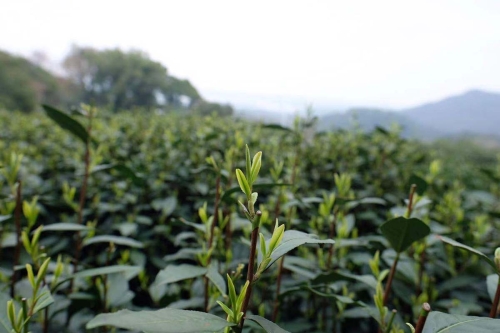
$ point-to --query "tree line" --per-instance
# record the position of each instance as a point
(111, 78)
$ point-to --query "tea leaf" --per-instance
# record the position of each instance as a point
(66, 122)
(117, 240)
(161, 321)
(438, 322)
(402, 232)
(267, 325)
(175, 273)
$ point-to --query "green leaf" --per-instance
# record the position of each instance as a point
(65, 226)
(402, 232)
(5, 326)
(161, 321)
(126, 172)
(44, 299)
(117, 240)
(327, 278)
(128, 271)
(419, 182)
(277, 127)
(492, 285)
(291, 240)
(438, 322)
(256, 165)
(4, 218)
(167, 206)
(175, 273)
(66, 122)
(471, 250)
(226, 197)
(243, 182)
(216, 278)
(267, 325)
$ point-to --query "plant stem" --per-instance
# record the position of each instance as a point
(276, 304)
(494, 306)
(17, 251)
(421, 265)
(215, 220)
(251, 264)
(389, 280)
(331, 236)
(280, 275)
(83, 194)
(426, 308)
(409, 210)
(391, 320)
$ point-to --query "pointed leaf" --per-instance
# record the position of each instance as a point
(66, 122)
(492, 285)
(65, 226)
(227, 194)
(242, 181)
(267, 325)
(128, 271)
(161, 321)
(438, 322)
(216, 278)
(5, 326)
(44, 299)
(291, 240)
(175, 273)
(402, 232)
(471, 250)
(117, 240)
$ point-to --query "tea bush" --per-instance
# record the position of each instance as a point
(128, 221)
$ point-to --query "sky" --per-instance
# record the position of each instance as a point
(383, 53)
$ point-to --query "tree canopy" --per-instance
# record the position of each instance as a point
(110, 78)
(23, 85)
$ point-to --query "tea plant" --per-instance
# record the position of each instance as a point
(166, 214)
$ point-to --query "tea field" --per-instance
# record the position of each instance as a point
(136, 221)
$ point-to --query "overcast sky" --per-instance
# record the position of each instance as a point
(382, 53)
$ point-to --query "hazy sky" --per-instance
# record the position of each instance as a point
(384, 53)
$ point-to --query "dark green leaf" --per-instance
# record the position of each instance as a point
(267, 325)
(66, 122)
(65, 226)
(216, 278)
(4, 218)
(492, 285)
(291, 240)
(402, 232)
(277, 127)
(128, 271)
(471, 250)
(175, 273)
(161, 321)
(45, 299)
(117, 240)
(5, 326)
(419, 182)
(438, 322)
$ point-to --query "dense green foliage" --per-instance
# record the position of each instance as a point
(23, 85)
(112, 79)
(148, 242)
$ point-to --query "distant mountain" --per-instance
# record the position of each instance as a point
(474, 112)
